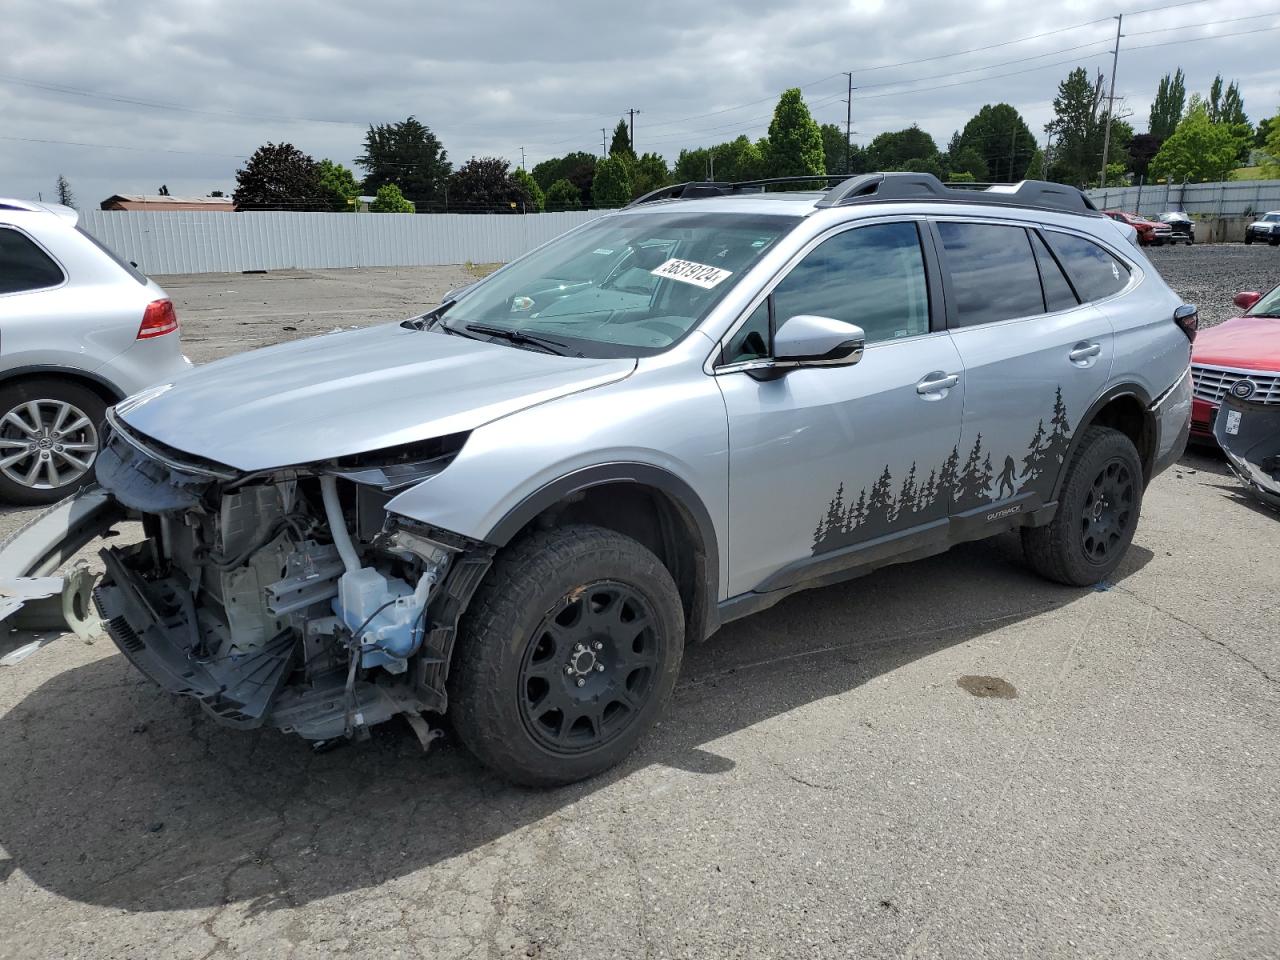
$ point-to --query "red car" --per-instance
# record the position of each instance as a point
(1150, 232)
(1240, 357)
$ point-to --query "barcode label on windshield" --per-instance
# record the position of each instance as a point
(686, 271)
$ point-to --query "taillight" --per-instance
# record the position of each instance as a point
(1187, 317)
(158, 320)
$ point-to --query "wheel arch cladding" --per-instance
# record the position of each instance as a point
(1125, 408)
(652, 506)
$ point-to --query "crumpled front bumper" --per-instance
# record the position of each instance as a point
(1249, 435)
(30, 595)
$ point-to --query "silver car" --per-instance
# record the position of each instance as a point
(79, 330)
(521, 505)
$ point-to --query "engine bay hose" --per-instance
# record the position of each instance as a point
(337, 525)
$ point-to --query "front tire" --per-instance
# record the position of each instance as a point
(50, 430)
(567, 656)
(1097, 512)
(1248, 239)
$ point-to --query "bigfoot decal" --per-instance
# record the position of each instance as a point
(950, 488)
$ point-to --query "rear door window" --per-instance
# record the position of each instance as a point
(23, 265)
(1057, 290)
(1094, 272)
(993, 272)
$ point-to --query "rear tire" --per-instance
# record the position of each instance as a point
(567, 656)
(50, 431)
(1097, 512)
(1248, 239)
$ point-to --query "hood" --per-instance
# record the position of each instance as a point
(1251, 343)
(345, 393)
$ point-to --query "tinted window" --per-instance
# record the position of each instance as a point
(751, 340)
(1094, 272)
(993, 272)
(23, 265)
(1057, 291)
(869, 276)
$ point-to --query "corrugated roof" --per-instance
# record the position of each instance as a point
(160, 198)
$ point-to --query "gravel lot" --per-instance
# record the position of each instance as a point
(1210, 275)
(946, 759)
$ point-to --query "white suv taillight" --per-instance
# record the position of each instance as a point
(158, 320)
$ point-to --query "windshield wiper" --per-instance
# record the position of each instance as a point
(424, 321)
(519, 336)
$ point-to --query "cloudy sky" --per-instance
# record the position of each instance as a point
(123, 95)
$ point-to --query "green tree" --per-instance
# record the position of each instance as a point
(389, 199)
(621, 142)
(931, 164)
(649, 172)
(1035, 169)
(579, 168)
(409, 155)
(563, 195)
(65, 196)
(485, 184)
(836, 152)
(279, 176)
(795, 142)
(966, 163)
(537, 199)
(338, 186)
(1198, 150)
(893, 149)
(693, 165)
(999, 135)
(612, 186)
(1079, 126)
(1166, 108)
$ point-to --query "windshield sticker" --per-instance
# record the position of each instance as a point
(602, 252)
(686, 271)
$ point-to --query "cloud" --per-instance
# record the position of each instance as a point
(490, 77)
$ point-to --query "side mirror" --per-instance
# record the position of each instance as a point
(1247, 299)
(808, 341)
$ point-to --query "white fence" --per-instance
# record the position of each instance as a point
(1225, 199)
(161, 242)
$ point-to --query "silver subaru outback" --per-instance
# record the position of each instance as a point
(521, 505)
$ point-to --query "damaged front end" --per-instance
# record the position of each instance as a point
(1249, 434)
(287, 597)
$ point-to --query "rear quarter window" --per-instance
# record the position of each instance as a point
(23, 265)
(1094, 272)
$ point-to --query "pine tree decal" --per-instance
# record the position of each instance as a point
(857, 514)
(880, 504)
(985, 478)
(971, 490)
(1059, 437)
(948, 480)
(928, 492)
(1033, 464)
(907, 496)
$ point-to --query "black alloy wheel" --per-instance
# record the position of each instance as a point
(589, 667)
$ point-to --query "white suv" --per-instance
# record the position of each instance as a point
(79, 330)
(1266, 228)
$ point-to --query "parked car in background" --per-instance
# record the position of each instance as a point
(520, 505)
(79, 330)
(1182, 227)
(1240, 358)
(1150, 232)
(1266, 228)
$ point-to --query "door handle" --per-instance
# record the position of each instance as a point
(936, 383)
(1084, 352)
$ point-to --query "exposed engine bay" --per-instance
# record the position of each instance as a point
(287, 597)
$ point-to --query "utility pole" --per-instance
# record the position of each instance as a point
(522, 158)
(1111, 102)
(631, 128)
(604, 145)
(848, 125)
(1013, 152)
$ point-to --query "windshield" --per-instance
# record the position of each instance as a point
(1271, 218)
(622, 286)
(1268, 306)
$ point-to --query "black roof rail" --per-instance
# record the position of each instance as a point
(899, 187)
(694, 189)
